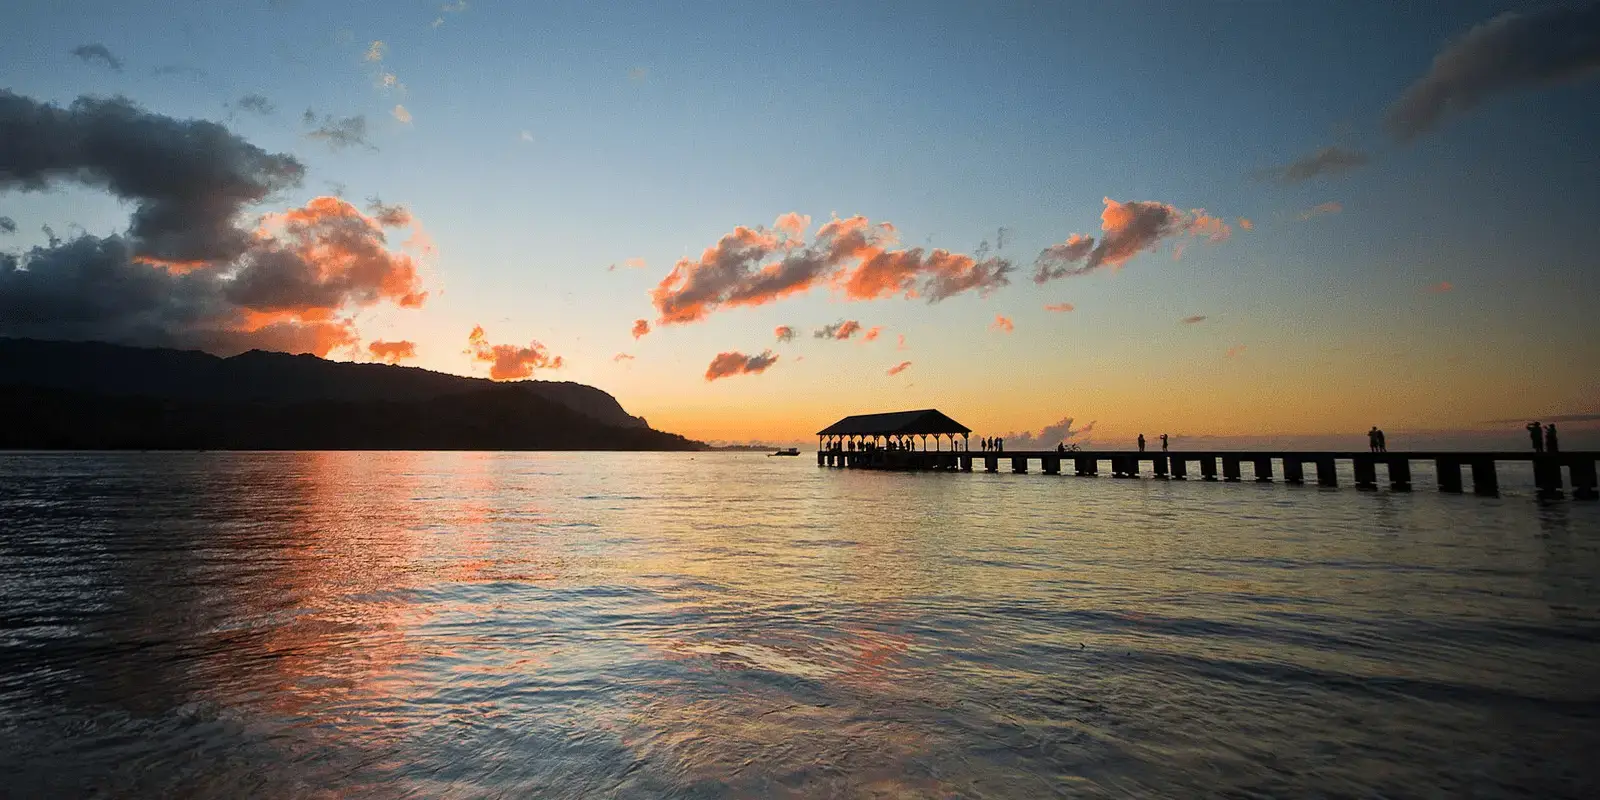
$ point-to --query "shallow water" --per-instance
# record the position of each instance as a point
(486, 624)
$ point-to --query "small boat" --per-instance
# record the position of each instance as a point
(792, 451)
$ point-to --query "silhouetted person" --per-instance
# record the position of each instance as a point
(1372, 439)
(1551, 444)
(1534, 429)
(1141, 443)
(1000, 444)
(1383, 442)
(1061, 447)
(1163, 443)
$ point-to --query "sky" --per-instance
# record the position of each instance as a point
(1086, 220)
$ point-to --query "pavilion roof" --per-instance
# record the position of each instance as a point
(895, 423)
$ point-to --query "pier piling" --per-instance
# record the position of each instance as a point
(1449, 470)
(1180, 468)
(1583, 480)
(1366, 472)
(1019, 464)
(1230, 469)
(1263, 469)
(1160, 465)
(1208, 468)
(1485, 483)
(1399, 474)
(1294, 471)
(1327, 472)
(1547, 477)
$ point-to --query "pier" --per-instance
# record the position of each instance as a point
(900, 441)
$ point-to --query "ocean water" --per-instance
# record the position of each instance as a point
(731, 625)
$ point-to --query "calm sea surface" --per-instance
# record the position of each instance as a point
(717, 625)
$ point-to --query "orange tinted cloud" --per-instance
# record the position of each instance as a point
(1441, 287)
(509, 362)
(750, 267)
(1194, 320)
(392, 352)
(735, 363)
(323, 255)
(634, 263)
(1246, 224)
(1002, 324)
(872, 333)
(1234, 351)
(784, 333)
(640, 327)
(899, 368)
(838, 331)
(1330, 207)
(1127, 229)
(622, 357)
(900, 342)
(1059, 307)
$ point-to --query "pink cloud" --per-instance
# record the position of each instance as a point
(1059, 307)
(509, 362)
(784, 333)
(872, 333)
(736, 363)
(899, 368)
(1127, 229)
(1330, 207)
(1441, 287)
(640, 328)
(1235, 351)
(1194, 320)
(1002, 323)
(838, 331)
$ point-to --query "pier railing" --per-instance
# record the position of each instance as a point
(1552, 472)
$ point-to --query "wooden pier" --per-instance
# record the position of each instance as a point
(1553, 472)
(899, 441)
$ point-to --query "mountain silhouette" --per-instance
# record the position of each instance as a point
(93, 395)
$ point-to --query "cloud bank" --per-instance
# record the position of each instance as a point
(1048, 437)
(753, 266)
(392, 352)
(509, 362)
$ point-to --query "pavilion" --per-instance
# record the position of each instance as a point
(895, 426)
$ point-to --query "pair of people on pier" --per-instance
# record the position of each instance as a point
(1376, 441)
(1549, 443)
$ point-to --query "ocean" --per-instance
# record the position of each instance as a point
(339, 624)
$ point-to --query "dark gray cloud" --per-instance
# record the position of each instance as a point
(188, 179)
(1127, 229)
(1516, 50)
(97, 53)
(189, 271)
(257, 103)
(8, 225)
(338, 133)
(737, 363)
(1330, 160)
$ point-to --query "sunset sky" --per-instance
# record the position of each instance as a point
(1290, 218)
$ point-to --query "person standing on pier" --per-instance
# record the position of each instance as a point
(1372, 439)
(1534, 429)
(1551, 444)
(1141, 443)
(1383, 442)
(1163, 443)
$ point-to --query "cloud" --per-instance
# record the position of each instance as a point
(454, 8)
(1330, 207)
(338, 134)
(1128, 229)
(1002, 324)
(392, 352)
(736, 363)
(1246, 224)
(838, 331)
(872, 333)
(1516, 50)
(97, 53)
(1059, 307)
(389, 216)
(621, 357)
(375, 51)
(526, 136)
(784, 333)
(638, 74)
(400, 113)
(255, 102)
(634, 263)
(900, 342)
(1047, 437)
(754, 266)
(1330, 160)
(898, 368)
(640, 327)
(1235, 351)
(1194, 320)
(188, 271)
(437, 21)
(509, 362)
(1441, 287)
(187, 179)
(8, 225)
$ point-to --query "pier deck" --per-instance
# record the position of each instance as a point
(1553, 472)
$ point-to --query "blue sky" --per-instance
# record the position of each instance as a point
(656, 130)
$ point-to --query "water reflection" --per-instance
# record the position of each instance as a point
(625, 625)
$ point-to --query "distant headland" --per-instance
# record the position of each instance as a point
(93, 395)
